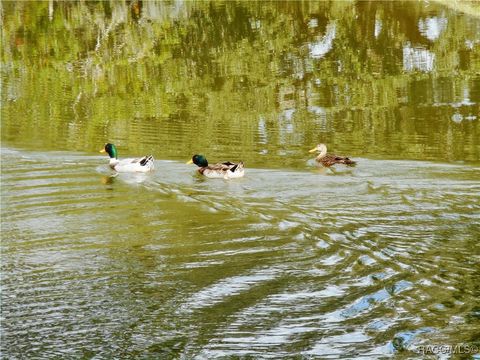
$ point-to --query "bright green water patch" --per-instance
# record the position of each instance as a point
(260, 81)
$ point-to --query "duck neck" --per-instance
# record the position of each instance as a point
(113, 153)
(113, 161)
(322, 154)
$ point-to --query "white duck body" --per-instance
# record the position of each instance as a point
(143, 164)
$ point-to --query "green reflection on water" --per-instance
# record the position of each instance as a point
(258, 81)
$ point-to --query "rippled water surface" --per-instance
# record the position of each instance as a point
(290, 261)
(280, 262)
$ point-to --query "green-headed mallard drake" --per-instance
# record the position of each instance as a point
(143, 164)
(226, 170)
(329, 159)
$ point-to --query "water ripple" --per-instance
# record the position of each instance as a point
(280, 262)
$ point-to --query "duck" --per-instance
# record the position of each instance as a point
(143, 164)
(225, 170)
(329, 159)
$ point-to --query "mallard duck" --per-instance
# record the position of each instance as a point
(143, 164)
(226, 170)
(329, 159)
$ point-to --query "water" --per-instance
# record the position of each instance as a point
(291, 260)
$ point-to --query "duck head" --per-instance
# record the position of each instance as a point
(110, 149)
(198, 160)
(321, 148)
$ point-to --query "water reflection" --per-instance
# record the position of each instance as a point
(323, 45)
(108, 180)
(417, 59)
(186, 73)
(432, 27)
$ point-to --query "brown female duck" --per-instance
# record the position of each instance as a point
(329, 159)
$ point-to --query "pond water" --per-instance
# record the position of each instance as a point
(370, 261)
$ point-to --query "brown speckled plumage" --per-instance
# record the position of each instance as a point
(330, 159)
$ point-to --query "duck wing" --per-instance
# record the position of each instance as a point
(143, 164)
(228, 163)
(332, 159)
(223, 170)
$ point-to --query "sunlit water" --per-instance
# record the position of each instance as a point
(361, 261)
(290, 261)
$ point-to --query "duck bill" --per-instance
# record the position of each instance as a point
(102, 151)
(189, 161)
(313, 150)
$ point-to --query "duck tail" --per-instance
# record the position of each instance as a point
(237, 167)
(147, 161)
(347, 161)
